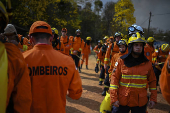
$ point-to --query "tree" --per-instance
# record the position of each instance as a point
(98, 6)
(123, 17)
(107, 18)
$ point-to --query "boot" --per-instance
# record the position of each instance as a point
(81, 66)
(79, 70)
(100, 82)
(104, 91)
(86, 66)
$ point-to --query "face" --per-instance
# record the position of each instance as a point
(117, 38)
(122, 48)
(78, 33)
(63, 33)
(138, 47)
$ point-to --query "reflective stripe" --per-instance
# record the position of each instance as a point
(154, 59)
(152, 88)
(143, 77)
(106, 86)
(106, 59)
(98, 59)
(80, 49)
(25, 47)
(133, 85)
(100, 79)
(113, 86)
(71, 49)
(110, 74)
(102, 63)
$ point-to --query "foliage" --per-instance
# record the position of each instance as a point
(123, 17)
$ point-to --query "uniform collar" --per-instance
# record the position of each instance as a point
(43, 46)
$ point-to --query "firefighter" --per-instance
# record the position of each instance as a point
(122, 51)
(96, 50)
(149, 48)
(56, 43)
(66, 41)
(135, 28)
(53, 75)
(86, 51)
(15, 85)
(106, 40)
(128, 82)
(77, 47)
(24, 43)
(158, 58)
(165, 80)
(101, 56)
(112, 49)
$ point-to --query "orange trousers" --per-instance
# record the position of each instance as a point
(85, 57)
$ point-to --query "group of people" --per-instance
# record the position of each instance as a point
(38, 71)
(132, 66)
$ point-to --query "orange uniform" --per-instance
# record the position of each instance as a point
(128, 84)
(101, 56)
(85, 53)
(96, 50)
(148, 51)
(60, 47)
(77, 44)
(52, 75)
(114, 60)
(19, 85)
(111, 50)
(165, 81)
(67, 44)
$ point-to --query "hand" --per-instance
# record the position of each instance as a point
(151, 104)
(105, 66)
(116, 104)
(74, 52)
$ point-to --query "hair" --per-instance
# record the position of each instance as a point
(38, 36)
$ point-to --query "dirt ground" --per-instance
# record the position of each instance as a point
(91, 97)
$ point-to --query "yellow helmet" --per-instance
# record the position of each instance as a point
(165, 47)
(54, 31)
(106, 37)
(88, 38)
(100, 41)
(150, 39)
(3, 14)
(137, 37)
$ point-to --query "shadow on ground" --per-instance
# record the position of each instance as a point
(163, 107)
(94, 79)
(92, 88)
(70, 109)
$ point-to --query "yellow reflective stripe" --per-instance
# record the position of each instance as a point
(133, 85)
(106, 59)
(152, 88)
(106, 86)
(71, 49)
(98, 59)
(102, 63)
(154, 59)
(25, 47)
(71, 52)
(100, 79)
(143, 77)
(113, 86)
(80, 49)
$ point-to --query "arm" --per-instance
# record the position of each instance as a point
(107, 56)
(114, 84)
(21, 95)
(95, 49)
(152, 85)
(75, 88)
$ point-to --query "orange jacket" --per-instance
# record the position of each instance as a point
(86, 50)
(52, 75)
(101, 56)
(111, 50)
(19, 85)
(114, 60)
(67, 44)
(128, 84)
(165, 81)
(148, 51)
(96, 49)
(159, 56)
(60, 47)
(77, 44)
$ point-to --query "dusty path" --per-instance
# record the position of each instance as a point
(91, 97)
